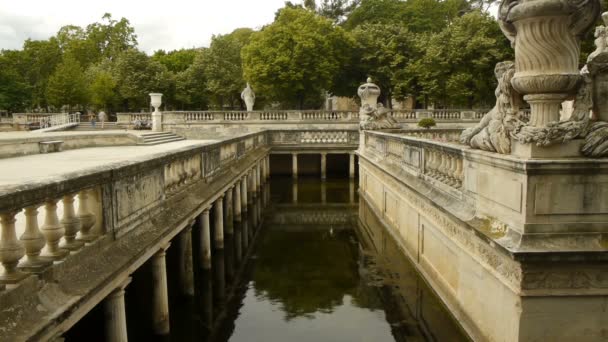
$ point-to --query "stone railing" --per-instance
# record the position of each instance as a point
(326, 116)
(431, 156)
(305, 138)
(129, 118)
(44, 120)
(83, 207)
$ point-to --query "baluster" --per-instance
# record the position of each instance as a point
(71, 224)
(87, 218)
(33, 241)
(53, 231)
(11, 250)
(459, 172)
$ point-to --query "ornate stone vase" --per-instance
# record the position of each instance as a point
(546, 37)
(156, 100)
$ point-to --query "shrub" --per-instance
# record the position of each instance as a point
(427, 123)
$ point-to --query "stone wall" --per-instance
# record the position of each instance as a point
(512, 253)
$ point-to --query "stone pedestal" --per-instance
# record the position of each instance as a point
(160, 298)
(114, 314)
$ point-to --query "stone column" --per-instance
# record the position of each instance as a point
(254, 182)
(71, 224)
(294, 165)
(53, 232)
(219, 223)
(323, 165)
(186, 269)
(87, 218)
(244, 194)
(351, 191)
(236, 202)
(267, 166)
(160, 298)
(258, 182)
(351, 165)
(205, 236)
(228, 212)
(33, 241)
(294, 192)
(11, 250)
(323, 192)
(115, 315)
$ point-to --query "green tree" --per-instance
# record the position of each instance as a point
(14, 91)
(191, 84)
(75, 41)
(458, 66)
(295, 59)
(112, 37)
(137, 75)
(103, 87)
(67, 85)
(336, 10)
(383, 59)
(376, 11)
(223, 67)
(38, 62)
(176, 60)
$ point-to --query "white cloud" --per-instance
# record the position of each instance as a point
(168, 25)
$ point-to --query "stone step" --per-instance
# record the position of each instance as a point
(157, 138)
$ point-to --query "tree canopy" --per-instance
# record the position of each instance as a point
(439, 52)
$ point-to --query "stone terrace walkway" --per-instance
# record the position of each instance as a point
(41, 168)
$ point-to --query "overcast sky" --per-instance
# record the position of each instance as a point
(168, 25)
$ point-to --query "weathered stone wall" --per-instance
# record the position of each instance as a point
(511, 264)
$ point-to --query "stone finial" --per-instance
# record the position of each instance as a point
(369, 93)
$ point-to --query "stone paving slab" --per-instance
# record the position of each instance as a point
(41, 167)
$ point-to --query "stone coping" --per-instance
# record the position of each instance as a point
(509, 162)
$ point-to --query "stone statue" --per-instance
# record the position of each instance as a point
(249, 97)
(372, 114)
(492, 134)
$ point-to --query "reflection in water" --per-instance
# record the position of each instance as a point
(315, 275)
(313, 271)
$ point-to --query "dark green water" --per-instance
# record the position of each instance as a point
(309, 272)
(315, 275)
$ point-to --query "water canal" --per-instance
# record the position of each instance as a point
(310, 272)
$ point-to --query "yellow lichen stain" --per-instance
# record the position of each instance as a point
(491, 227)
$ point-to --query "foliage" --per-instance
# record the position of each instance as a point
(176, 60)
(138, 75)
(427, 123)
(223, 67)
(102, 87)
(67, 85)
(294, 59)
(14, 90)
(458, 65)
(191, 84)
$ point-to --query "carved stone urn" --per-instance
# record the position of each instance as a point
(369, 93)
(156, 101)
(546, 37)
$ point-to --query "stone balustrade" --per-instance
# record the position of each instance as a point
(45, 230)
(46, 223)
(26, 121)
(177, 117)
